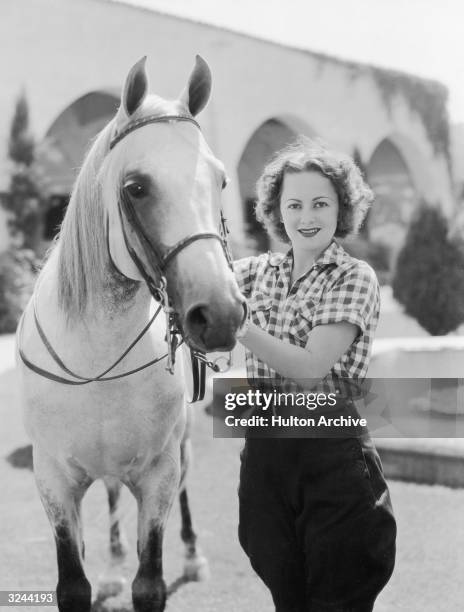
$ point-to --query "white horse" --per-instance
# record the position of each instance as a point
(145, 207)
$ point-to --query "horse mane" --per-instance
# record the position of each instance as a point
(81, 246)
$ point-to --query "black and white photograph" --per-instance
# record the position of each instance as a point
(232, 306)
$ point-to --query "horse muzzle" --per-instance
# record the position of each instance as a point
(213, 326)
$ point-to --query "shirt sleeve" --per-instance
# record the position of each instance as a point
(354, 298)
(245, 272)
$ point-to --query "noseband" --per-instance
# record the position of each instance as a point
(159, 262)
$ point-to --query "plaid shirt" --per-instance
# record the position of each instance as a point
(337, 288)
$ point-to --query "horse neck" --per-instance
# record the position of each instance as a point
(118, 308)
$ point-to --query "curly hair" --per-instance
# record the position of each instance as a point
(354, 195)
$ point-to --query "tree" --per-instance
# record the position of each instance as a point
(21, 143)
(24, 200)
(429, 276)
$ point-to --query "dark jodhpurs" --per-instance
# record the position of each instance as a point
(316, 522)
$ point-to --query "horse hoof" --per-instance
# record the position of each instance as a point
(197, 569)
(110, 586)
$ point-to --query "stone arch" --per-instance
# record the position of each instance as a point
(64, 146)
(269, 137)
(395, 171)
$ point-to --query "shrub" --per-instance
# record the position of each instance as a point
(17, 276)
(429, 276)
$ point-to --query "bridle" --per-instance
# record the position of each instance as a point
(158, 262)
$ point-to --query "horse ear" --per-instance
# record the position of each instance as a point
(196, 95)
(135, 88)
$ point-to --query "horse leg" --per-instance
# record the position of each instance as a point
(195, 565)
(118, 541)
(61, 493)
(154, 491)
(112, 582)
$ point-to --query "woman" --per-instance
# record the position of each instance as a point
(315, 514)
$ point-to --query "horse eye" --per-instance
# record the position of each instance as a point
(135, 190)
(225, 182)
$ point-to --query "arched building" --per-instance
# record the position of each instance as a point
(74, 54)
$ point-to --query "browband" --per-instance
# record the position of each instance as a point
(150, 119)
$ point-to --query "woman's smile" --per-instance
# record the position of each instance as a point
(309, 232)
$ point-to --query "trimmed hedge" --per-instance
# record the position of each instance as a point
(429, 276)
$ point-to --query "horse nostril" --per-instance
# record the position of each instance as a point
(211, 327)
(197, 321)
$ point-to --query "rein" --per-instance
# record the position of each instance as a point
(82, 380)
(157, 287)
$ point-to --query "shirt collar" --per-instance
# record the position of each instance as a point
(333, 254)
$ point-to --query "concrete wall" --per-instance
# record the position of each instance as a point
(59, 50)
(457, 148)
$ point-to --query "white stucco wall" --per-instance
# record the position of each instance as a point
(457, 141)
(59, 50)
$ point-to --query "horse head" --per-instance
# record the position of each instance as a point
(161, 189)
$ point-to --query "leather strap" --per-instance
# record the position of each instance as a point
(65, 369)
(135, 125)
(173, 251)
(83, 381)
(199, 378)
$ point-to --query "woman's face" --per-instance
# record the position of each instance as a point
(309, 210)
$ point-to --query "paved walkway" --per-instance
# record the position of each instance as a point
(427, 578)
(430, 524)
